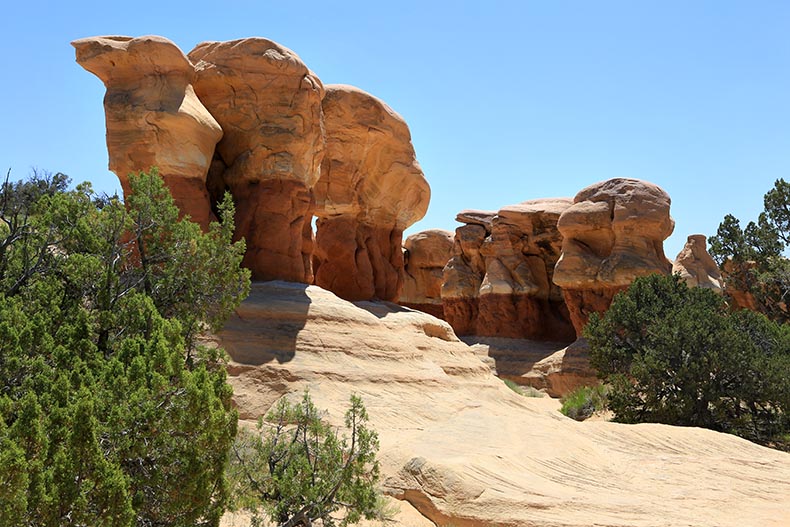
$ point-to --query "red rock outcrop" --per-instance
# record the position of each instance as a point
(696, 266)
(613, 233)
(371, 189)
(269, 105)
(464, 272)
(425, 255)
(499, 281)
(517, 296)
(153, 116)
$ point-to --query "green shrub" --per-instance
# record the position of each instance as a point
(110, 414)
(299, 469)
(584, 402)
(526, 391)
(677, 355)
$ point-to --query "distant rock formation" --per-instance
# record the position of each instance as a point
(463, 274)
(499, 281)
(371, 189)
(269, 105)
(153, 116)
(737, 285)
(696, 266)
(518, 298)
(613, 233)
(425, 255)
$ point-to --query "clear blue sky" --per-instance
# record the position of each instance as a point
(507, 101)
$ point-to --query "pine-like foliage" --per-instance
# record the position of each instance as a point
(754, 259)
(110, 414)
(677, 355)
(299, 469)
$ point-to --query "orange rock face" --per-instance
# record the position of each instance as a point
(696, 266)
(517, 296)
(499, 281)
(463, 274)
(613, 233)
(425, 255)
(371, 188)
(269, 105)
(153, 116)
(737, 285)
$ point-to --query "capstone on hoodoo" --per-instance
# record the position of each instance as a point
(613, 233)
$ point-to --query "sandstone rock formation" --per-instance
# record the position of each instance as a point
(269, 105)
(425, 255)
(613, 233)
(499, 282)
(153, 116)
(517, 296)
(371, 189)
(696, 266)
(463, 274)
(465, 450)
(554, 368)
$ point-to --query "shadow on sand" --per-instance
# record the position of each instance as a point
(266, 326)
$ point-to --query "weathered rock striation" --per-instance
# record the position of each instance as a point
(696, 266)
(371, 189)
(425, 255)
(464, 449)
(153, 116)
(269, 106)
(499, 281)
(518, 298)
(463, 274)
(613, 233)
(555, 368)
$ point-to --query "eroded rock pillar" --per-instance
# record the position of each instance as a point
(426, 253)
(613, 233)
(269, 104)
(696, 266)
(154, 118)
(517, 296)
(463, 274)
(371, 189)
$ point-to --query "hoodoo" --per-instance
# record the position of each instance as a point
(613, 233)
(269, 105)
(371, 189)
(154, 118)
